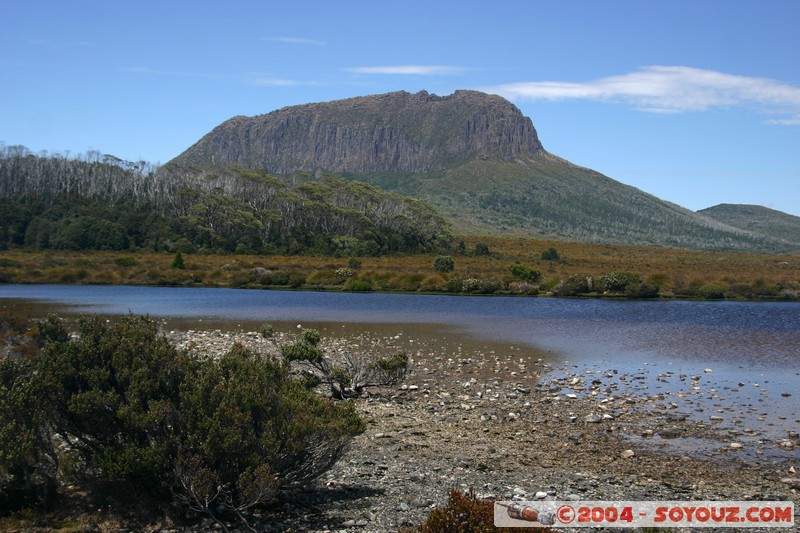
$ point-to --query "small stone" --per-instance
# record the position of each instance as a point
(540, 495)
(708, 371)
(670, 433)
(736, 445)
(592, 419)
(627, 454)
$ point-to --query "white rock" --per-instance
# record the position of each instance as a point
(627, 454)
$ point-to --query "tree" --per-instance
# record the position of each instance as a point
(178, 261)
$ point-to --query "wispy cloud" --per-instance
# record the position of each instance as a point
(179, 73)
(294, 40)
(413, 70)
(671, 89)
(251, 78)
(273, 81)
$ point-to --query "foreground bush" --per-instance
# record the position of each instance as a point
(119, 402)
(465, 513)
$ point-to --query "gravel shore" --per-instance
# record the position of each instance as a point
(512, 426)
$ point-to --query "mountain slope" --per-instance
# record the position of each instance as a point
(472, 155)
(759, 220)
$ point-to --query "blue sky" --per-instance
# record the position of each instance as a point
(697, 102)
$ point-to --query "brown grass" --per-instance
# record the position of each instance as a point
(675, 271)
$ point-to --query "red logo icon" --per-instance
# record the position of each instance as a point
(565, 514)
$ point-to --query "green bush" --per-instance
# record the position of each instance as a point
(642, 290)
(482, 249)
(126, 262)
(618, 281)
(574, 285)
(525, 273)
(444, 263)
(218, 436)
(711, 291)
(359, 285)
(551, 254)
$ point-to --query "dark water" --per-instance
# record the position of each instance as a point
(751, 348)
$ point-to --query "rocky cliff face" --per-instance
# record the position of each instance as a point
(394, 132)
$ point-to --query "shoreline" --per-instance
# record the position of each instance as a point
(507, 428)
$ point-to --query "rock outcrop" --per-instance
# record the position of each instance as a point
(394, 132)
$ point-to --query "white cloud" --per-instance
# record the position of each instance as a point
(414, 70)
(293, 40)
(266, 80)
(670, 89)
(182, 73)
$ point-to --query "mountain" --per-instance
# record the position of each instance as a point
(474, 156)
(759, 220)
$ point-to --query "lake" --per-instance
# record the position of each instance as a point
(746, 353)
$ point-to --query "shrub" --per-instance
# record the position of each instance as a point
(482, 249)
(354, 263)
(346, 374)
(359, 285)
(126, 262)
(618, 281)
(525, 273)
(712, 291)
(642, 290)
(574, 285)
(465, 512)
(220, 436)
(444, 263)
(551, 254)
(345, 272)
(267, 331)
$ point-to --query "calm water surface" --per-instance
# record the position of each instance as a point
(754, 343)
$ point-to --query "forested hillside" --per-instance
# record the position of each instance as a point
(100, 202)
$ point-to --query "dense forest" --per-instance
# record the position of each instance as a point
(100, 202)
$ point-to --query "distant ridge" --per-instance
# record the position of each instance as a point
(757, 219)
(475, 157)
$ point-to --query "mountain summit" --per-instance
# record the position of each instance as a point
(475, 157)
(394, 132)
